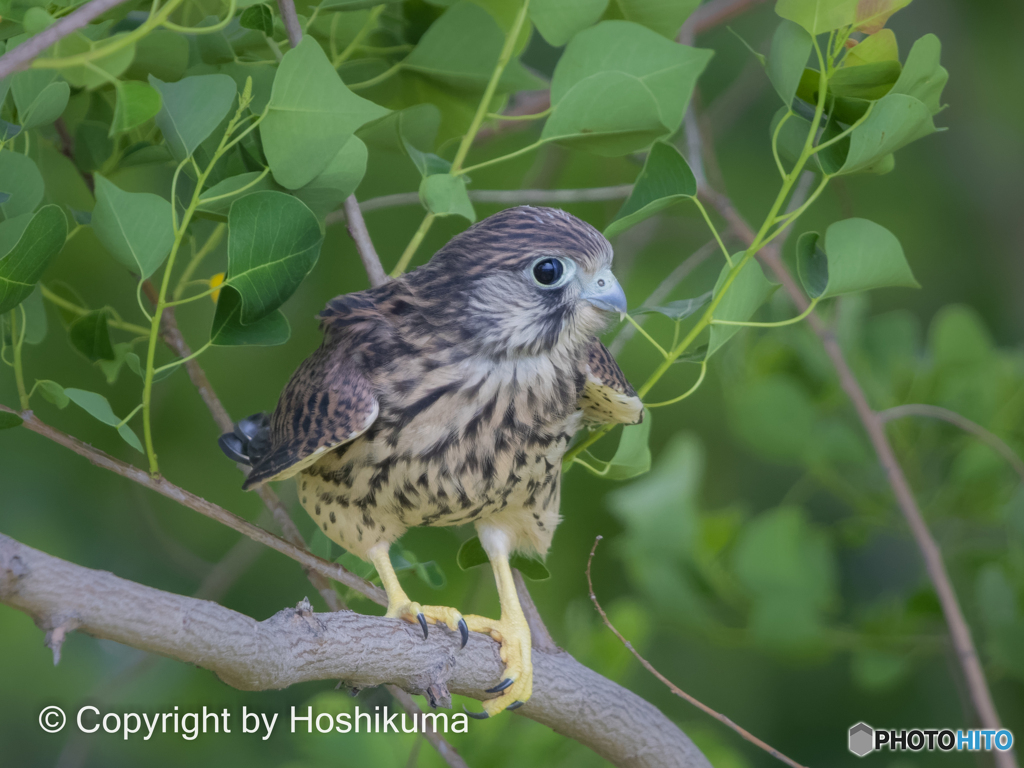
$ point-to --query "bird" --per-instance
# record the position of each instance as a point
(448, 396)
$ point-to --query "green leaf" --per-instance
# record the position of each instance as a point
(445, 195)
(873, 15)
(665, 180)
(86, 76)
(663, 16)
(747, 292)
(895, 121)
(868, 81)
(633, 456)
(530, 567)
(817, 16)
(337, 181)
(135, 227)
(99, 408)
(53, 392)
(880, 46)
(922, 76)
(311, 116)
(92, 145)
(112, 368)
(678, 310)
(774, 416)
(36, 324)
(558, 21)
(90, 335)
(19, 178)
(231, 185)
(619, 86)
(228, 331)
(469, 63)
(191, 108)
(163, 54)
(10, 420)
(877, 670)
(39, 96)
(273, 242)
(258, 17)
(136, 103)
(471, 554)
(28, 244)
(858, 255)
(787, 58)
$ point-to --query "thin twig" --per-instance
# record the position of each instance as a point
(715, 13)
(291, 21)
(672, 686)
(447, 751)
(202, 506)
(500, 196)
(936, 412)
(22, 55)
(959, 630)
(353, 215)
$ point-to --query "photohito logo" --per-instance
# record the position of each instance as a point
(863, 740)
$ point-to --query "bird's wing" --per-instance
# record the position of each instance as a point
(328, 402)
(607, 398)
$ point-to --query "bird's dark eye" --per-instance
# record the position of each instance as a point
(548, 271)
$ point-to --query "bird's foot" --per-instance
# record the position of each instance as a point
(425, 615)
(516, 684)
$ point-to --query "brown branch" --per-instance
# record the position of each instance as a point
(291, 21)
(202, 506)
(501, 196)
(19, 57)
(297, 645)
(672, 686)
(959, 630)
(935, 412)
(715, 13)
(353, 214)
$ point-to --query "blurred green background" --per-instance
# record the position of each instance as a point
(762, 565)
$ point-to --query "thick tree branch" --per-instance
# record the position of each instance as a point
(297, 645)
(291, 21)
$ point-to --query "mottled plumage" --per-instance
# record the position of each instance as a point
(449, 396)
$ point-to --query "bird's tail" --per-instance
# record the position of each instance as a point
(249, 441)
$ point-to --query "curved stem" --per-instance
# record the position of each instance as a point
(211, 242)
(779, 324)
(530, 116)
(503, 158)
(17, 340)
(377, 79)
(116, 44)
(189, 299)
(183, 360)
(687, 393)
(371, 22)
(775, 143)
(70, 306)
(232, 6)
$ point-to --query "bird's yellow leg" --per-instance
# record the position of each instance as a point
(511, 630)
(401, 607)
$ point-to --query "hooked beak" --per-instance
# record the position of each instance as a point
(604, 292)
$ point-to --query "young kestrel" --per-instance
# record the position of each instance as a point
(449, 396)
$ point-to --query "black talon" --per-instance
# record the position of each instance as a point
(514, 705)
(500, 686)
(464, 631)
(475, 715)
(423, 623)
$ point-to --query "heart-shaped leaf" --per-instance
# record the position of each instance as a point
(445, 195)
(747, 292)
(27, 244)
(134, 226)
(273, 242)
(665, 180)
(228, 331)
(191, 108)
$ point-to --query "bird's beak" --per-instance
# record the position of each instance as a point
(604, 292)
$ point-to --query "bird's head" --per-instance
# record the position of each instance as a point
(523, 282)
